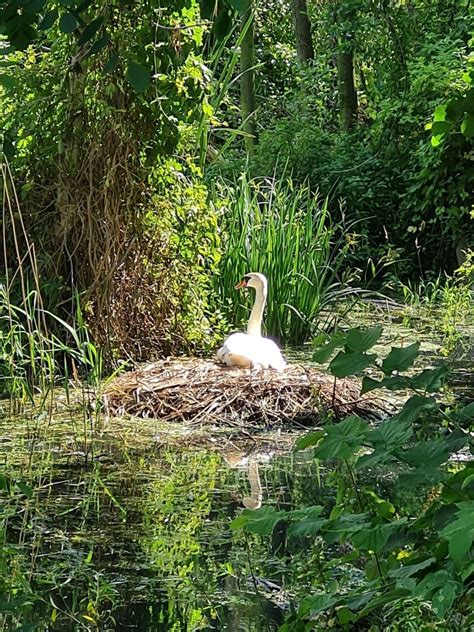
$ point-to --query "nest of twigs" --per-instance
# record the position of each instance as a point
(199, 392)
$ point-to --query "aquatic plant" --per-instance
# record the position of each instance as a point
(411, 553)
(284, 231)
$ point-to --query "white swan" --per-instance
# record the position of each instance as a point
(251, 350)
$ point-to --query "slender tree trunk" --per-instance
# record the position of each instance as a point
(247, 83)
(304, 40)
(347, 90)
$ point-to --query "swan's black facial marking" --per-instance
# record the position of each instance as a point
(247, 278)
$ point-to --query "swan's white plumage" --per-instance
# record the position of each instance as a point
(251, 350)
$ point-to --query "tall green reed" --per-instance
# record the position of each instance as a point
(285, 231)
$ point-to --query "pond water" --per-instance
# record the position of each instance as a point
(126, 526)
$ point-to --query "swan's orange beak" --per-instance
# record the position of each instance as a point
(241, 284)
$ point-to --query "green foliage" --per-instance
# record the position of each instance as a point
(286, 232)
(423, 558)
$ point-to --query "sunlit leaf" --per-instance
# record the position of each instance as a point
(359, 339)
(401, 358)
(351, 363)
(309, 440)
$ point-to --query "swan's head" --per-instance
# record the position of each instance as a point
(257, 280)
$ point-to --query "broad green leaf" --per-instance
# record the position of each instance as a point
(392, 383)
(441, 589)
(465, 414)
(317, 603)
(240, 5)
(375, 538)
(138, 77)
(460, 532)
(440, 127)
(345, 364)
(90, 31)
(342, 439)
(400, 358)
(68, 23)
(35, 6)
(25, 489)
(430, 380)
(411, 569)
(111, 64)
(48, 20)
(99, 45)
(467, 126)
(309, 440)
(324, 346)
(413, 408)
(440, 113)
(455, 109)
(261, 521)
(7, 81)
(443, 599)
(433, 453)
(359, 339)
(384, 508)
(420, 476)
(307, 526)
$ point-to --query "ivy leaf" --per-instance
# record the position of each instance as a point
(360, 340)
(351, 363)
(400, 358)
(138, 77)
(261, 521)
(68, 23)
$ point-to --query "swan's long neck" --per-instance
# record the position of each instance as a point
(254, 327)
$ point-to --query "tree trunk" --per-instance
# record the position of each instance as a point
(247, 83)
(304, 40)
(347, 90)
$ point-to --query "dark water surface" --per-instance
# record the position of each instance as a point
(128, 529)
